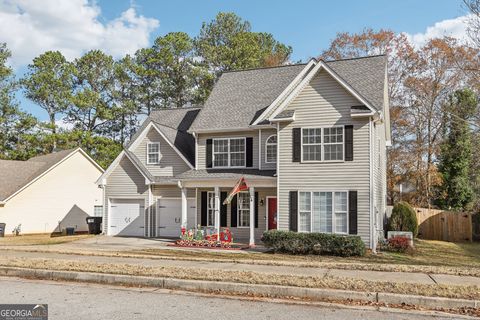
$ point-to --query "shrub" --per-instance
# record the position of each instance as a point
(398, 244)
(403, 218)
(313, 243)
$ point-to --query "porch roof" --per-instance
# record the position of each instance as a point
(227, 174)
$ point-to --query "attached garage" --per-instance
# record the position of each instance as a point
(169, 216)
(127, 217)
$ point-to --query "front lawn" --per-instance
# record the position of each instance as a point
(39, 239)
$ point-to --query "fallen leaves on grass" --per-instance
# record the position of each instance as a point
(249, 277)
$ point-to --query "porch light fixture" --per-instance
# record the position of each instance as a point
(262, 202)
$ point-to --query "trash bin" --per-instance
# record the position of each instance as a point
(94, 225)
(70, 231)
(2, 230)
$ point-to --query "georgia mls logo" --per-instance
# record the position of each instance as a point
(23, 312)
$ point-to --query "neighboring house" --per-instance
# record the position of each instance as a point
(49, 193)
(309, 139)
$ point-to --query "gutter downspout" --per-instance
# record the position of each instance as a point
(373, 230)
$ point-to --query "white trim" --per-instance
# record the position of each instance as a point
(371, 181)
(144, 133)
(278, 174)
(229, 153)
(221, 130)
(260, 149)
(196, 151)
(322, 145)
(334, 225)
(286, 91)
(68, 156)
(157, 153)
(306, 80)
(267, 207)
(266, 148)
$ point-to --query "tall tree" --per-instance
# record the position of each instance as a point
(93, 96)
(147, 81)
(179, 72)
(227, 43)
(16, 127)
(48, 83)
(456, 151)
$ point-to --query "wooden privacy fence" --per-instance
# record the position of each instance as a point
(444, 225)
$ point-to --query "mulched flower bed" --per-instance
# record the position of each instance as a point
(207, 244)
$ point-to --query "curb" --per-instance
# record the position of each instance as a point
(265, 290)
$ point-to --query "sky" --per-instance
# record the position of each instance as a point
(118, 27)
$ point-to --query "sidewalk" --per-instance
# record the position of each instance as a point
(391, 277)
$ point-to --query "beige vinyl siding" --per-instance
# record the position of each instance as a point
(325, 103)
(243, 234)
(172, 191)
(266, 133)
(202, 142)
(170, 163)
(124, 182)
(63, 197)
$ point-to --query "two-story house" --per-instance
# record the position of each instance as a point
(309, 139)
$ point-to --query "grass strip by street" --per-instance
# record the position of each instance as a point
(249, 277)
(40, 239)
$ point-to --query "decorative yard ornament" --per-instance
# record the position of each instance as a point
(239, 187)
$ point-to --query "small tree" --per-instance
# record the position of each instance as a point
(403, 218)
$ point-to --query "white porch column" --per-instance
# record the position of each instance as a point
(149, 225)
(217, 212)
(252, 217)
(184, 207)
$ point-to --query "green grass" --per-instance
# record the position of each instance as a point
(39, 239)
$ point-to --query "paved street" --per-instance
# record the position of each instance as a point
(87, 301)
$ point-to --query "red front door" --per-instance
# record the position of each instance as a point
(272, 213)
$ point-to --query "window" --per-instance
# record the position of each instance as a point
(229, 152)
(243, 209)
(211, 209)
(312, 144)
(324, 212)
(332, 146)
(153, 153)
(271, 149)
(97, 211)
(333, 143)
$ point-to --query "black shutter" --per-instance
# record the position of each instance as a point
(293, 211)
(256, 209)
(249, 152)
(223, 210)
(352, 212)
(348, 143)
(208, 156)
(204, 204)
(233, 210)
(296, 144)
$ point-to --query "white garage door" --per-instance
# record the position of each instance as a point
(127, 217)
(170, 216)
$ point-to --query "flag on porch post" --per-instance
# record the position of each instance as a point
(240, 186)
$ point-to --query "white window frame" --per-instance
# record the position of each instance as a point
(270, 144)
(322, 144)
(333, 211)
(157, 153)
(212, 210)
(333, 143)
(229, 152)
(238, 210)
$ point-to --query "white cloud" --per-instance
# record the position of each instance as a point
(73, 27)
(456, 28)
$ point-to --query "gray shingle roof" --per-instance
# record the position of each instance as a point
(239, 97)
(14, 175)
(365, 75)
(174, 123)
(226, 174)
(139, 165)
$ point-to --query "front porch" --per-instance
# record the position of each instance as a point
(246, 216)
